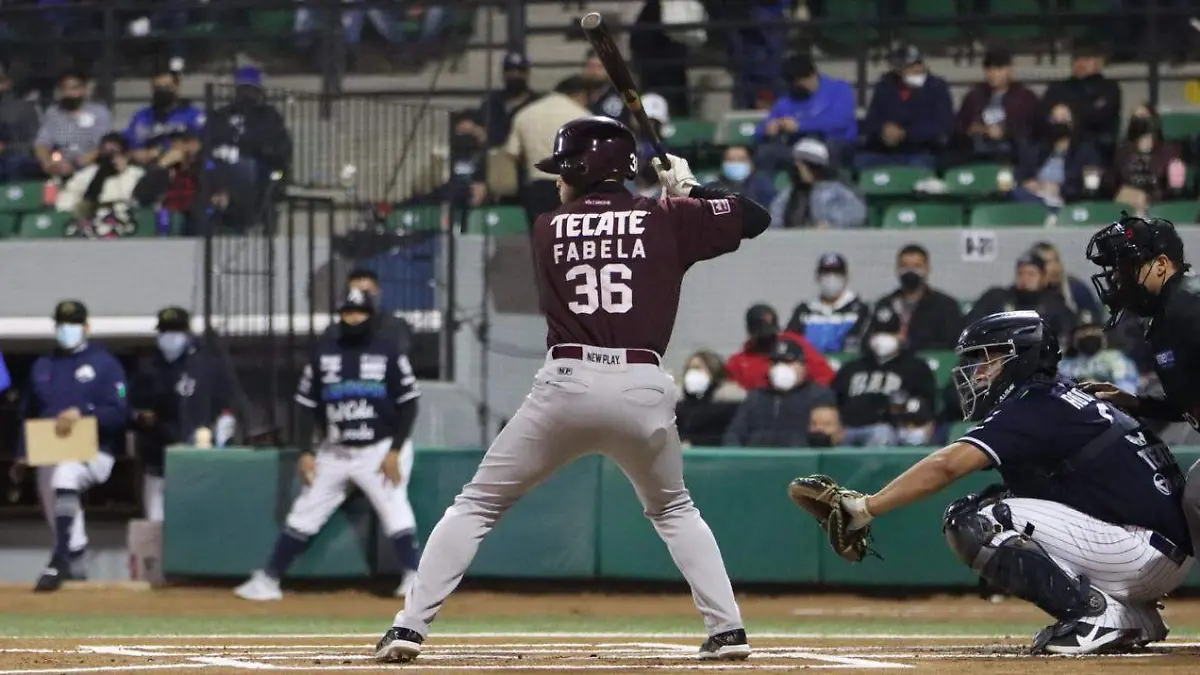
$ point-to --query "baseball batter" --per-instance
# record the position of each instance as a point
(609, 269)
(361, 386)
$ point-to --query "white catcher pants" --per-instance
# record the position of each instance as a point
(338, 467)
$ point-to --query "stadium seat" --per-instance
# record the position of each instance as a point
(848, 34)
(945, 11)
(706, 176)
(416, 218)
(272, 22)
(1027, 29)
(145, 223)
(683, 133)
(1180, 125)
(892, 180)
(960, 429)
(1180, 213)
(782, 181)
(738, 127)
(941, 362)
(22, 197)
(1005, 214)
(48, 224)
(972, 180)
(923, 215)
(500, 220)
(8, 225)
(1091, 213)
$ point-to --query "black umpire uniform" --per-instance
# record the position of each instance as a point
(1144, 272)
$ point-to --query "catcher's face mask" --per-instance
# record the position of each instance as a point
(979, 368)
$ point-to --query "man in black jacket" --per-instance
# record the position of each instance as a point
(498, 107)
(1030, 290)
(865, 386)
(1094, 100)
(929, 319)
(778, 416)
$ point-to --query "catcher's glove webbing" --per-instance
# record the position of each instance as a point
(823, 499)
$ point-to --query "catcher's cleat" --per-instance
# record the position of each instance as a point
(1078, 638)
(728, 646)
(399, 645)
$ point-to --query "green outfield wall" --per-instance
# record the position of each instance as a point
(224, 509)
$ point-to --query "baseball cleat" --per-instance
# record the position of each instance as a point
(259, 587)
(1078, 638)
(406, 584)
(728, 646)
(50, 580)
(399, 645)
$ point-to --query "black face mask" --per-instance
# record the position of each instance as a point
(463, 144)
(248, 97)
(1089, 345)
(911, 280)
(1140, 126)
(818, 439)
(70, 102)
(163, 99)
(515, 85)
(801, 93)
(356, 332)
(1026, 299)
(1060, 130)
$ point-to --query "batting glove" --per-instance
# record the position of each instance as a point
(677, 181)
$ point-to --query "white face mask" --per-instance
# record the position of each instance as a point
(884, 345)
(783, 377)
(69, 336)
(916, 80)
(912, 436)
(831, 285)
(696, 381)
(172, 344)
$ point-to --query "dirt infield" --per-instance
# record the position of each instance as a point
(807, 641)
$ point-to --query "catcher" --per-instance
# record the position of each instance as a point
(1087, 524)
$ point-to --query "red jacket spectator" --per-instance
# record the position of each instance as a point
(749, 367)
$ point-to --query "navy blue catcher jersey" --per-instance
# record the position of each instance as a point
(354, 387)
(1051, 441)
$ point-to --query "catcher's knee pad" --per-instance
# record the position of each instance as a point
(1015, 564)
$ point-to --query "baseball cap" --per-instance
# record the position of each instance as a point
(832, 262)
(249, 76)
(812, 151)
(885, 320)
(762, 320)
(70, 311)
(357, 300)
(907, 409)
(997, 57)
(787, 351)
(1089, 319)
(905, 55)
(515, 61)
(1032, 258)
(172, 319)
(656, 108)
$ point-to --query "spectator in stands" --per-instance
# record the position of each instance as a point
(1062, 167)
(1088, 357)
(834, 321)
(499, 107)
(107, 184)
(777, 416)
(912, 420)
(825, 428)
(739, 174)
(815, 105)
(997, 114)
(69, 138)
(150, 129)
(388, 23)
(708, 403)
(929, 319)
(750, 368)
(1094, 100)
(467, 158)
(532, 139)
(756, 48)
(19, 122)
(865, 386)
(1076, 292)
(603, 97)
(1147, 169)
(911, 116)
(172, 181)
(815, 197)
(645, 183)
(1030, 290)
(659, 60)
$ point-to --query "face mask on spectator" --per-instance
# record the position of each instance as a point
(70, 102)
(736, 171)
(911, 280)
(1140, 126)
(163, 99)
(515, 85)
(911, 436)
(819, 439)
(783, 377)
(68, 335)
(1060, 130)
(248, 96)
(884, 345)
(916, 80)
(1026, 298)
(172, 344)
(463, 144)
(1089, 345)
(696, 381)
(831, 285)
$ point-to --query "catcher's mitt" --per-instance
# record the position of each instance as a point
(822, 497)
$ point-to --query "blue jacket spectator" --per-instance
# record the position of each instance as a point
(815, 105)
(738, 174)
(150, 129)
(5, 378)
(911, 116)
(836, 319)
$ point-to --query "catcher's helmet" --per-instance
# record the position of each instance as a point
(997, 354)
(589, 150)
(1120, 250)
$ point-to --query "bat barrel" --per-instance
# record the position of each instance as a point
(591, 21)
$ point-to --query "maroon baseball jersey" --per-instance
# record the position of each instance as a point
(610, 264)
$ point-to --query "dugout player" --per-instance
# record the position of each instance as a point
(362, 389)
(1144, 272)
(1088, 523)
(609, 268)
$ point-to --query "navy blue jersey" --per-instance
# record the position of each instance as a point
(1052, 441)
(355, 387)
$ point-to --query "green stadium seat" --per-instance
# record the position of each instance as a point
(923, 215)
(1180, 213)
(1029, 28)
(848, 34)
(145, 222)
(946, 10)
(22, 197)
(783, 181)
(682, 133)
(892, 180)
(1180, 125)
(49, 224)
(960, 429)
(973, 179)
(416, 218)
(1004, 214)
(738, 127)
(1091, 213)
(706, 176)
(8, 224)
(941, 362)
(838, 359)
(500, 220)
(272, 22)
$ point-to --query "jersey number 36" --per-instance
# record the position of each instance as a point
(601, 289)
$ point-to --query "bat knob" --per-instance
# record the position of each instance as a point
(591, 21)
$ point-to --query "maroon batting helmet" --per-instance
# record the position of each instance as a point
(592, 149)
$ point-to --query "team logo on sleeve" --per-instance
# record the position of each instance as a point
(719, 206)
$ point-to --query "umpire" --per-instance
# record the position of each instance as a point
(1143, 271)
